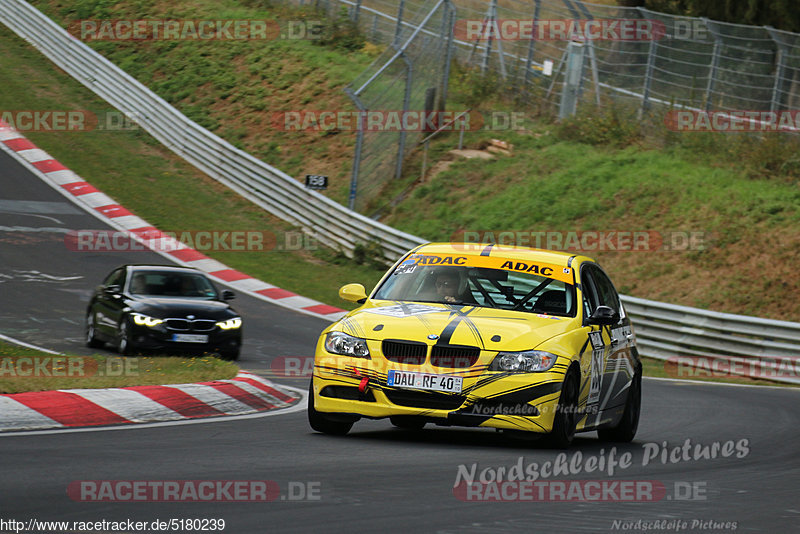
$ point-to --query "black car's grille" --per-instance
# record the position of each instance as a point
(406, 352)
(203, 325)
(430, 400)
(187, 325)
(454, 356)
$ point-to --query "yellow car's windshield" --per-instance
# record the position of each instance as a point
(479, 286)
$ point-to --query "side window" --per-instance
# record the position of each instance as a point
(115, 278)
(605, 289)
(590, 299)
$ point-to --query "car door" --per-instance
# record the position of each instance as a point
(610, 345)
(108, 303)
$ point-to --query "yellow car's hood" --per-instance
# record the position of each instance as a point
(487, 328)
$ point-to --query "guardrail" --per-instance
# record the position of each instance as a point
(715, 343)
(665, 331)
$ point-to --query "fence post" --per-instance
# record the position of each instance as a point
(714, 64)
(572, 79)
(491, 24)
(351, 201)
(448, 22)
(356, 11)
(775, 103)
(648, 75)
(398, 29)
(532, 45)
(406, 104)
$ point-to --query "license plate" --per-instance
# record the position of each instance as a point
(190, 338)
(430, 382)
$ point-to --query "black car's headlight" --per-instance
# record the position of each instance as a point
(346, 345)
(230, 324)
(523, 362)
(145, 320)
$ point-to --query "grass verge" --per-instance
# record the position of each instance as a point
(24, 369)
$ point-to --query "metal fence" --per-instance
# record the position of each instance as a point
(663, 330)
(411, 76)
(688, 62)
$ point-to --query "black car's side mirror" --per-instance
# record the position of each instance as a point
(604, 316)
(227, 294)
(113, 289)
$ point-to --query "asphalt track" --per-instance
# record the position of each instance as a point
(378, 478)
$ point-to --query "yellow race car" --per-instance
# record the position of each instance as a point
(474, 335)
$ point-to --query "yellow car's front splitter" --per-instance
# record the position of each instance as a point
(516, 401)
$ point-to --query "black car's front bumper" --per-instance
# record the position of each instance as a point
(160, 338)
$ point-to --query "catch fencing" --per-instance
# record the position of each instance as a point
(684, 62)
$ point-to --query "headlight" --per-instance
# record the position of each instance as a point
(230, 324)
(146, 320)
(523, 362)
(346, 345)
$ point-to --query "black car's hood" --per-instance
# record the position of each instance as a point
(162, 308)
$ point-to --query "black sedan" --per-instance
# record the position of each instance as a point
(163, 308)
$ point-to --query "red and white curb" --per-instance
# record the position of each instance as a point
(246, 393)
(106, 209)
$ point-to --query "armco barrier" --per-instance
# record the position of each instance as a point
(663, 330)
(719, 343)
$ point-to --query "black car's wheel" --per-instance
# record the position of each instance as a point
(566, 417)
(626, 429)
(408, 422)
(321, 423)
(91, 332)
(124, 343)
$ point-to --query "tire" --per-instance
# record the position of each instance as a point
(407, 422)
(566, 417)
(124, 344)
(91, 332)
(625, 430)
(320, 423)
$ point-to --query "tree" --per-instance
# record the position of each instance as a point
(781, 14)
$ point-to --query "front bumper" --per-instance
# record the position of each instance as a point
(161, 339)
(516, 401)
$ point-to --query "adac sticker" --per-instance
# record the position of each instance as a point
(556, 272)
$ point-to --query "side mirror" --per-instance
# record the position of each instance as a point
(604, 315)
(227, 294)
(113, 289)
(353, 293)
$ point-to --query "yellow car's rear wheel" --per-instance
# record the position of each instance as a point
(625, 431)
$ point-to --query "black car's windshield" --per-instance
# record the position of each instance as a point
(479, 286)
(171, 284)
